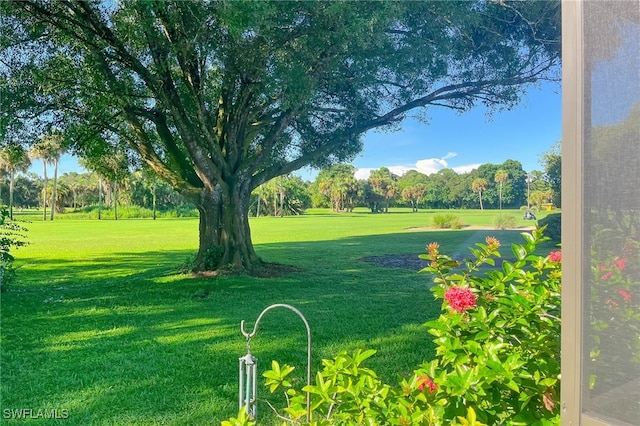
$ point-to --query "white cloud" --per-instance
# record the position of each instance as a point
(427, 166)
(449, 155)
(466, 169)
(399, 170)
(363, 174)
(431, 165)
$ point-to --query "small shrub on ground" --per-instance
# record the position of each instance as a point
(497, 356)
(447, 221)
(11, 236)
(505, 221)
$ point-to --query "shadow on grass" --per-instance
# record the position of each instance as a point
(125, 339)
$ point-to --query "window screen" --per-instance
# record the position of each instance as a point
(611, 212)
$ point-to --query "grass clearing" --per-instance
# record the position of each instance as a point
(103, 324)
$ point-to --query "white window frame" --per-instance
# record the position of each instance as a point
(574, 253)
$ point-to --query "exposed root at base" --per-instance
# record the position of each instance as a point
(262, 270)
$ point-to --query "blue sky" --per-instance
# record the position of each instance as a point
(451, 140)
(464, 141)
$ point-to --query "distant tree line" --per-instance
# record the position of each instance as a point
(490, 186)
(76, 191)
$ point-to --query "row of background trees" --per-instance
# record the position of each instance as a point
(491, 186)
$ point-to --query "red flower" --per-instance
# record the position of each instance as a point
(620, 263)
(424, 382)
(555, 256)
(460, 299)
(607, 276)
(625, 294)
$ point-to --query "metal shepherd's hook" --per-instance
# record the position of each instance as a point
(248, 365)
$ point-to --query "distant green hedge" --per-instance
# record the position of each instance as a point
(553, 222)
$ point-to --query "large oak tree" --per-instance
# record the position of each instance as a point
(218, 97)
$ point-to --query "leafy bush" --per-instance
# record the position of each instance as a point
(212, 257)
(447, 221)
(498, 352)
(11, 236)
(553, 223)
(505, 221)
(499, 339)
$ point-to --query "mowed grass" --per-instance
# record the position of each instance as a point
(103, 323)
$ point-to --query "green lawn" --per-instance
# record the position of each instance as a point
(103, 324)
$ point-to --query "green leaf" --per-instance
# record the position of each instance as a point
(513, 386)
(519, 251)
(482, 335)
(437, 325)
(528, 237)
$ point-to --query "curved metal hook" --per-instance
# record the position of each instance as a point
(248, 336)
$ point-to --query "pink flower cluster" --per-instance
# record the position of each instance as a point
(625, 295)
(555, 256)
(460, 299)
(426, 382)
(618, 264)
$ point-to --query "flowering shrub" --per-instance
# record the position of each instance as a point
(497, 356)
(613, 312)
(498, 344)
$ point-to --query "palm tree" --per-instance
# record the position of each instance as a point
(112, 167)
(49, 149)
(39, 152)
(54, 148)
(73, 181)
(479, 185)
(13, 158)
(150, 182)
(500, 178)
(384, 184)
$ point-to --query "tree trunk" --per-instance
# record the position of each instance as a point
(44, 193)
(259, 198)
(275, 199)
(11, 185)
(115, 200)
(55, 184)
(480, 194)
(225, 237)
(99, 198)
(153, 193)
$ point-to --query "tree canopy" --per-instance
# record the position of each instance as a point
(220, 97)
